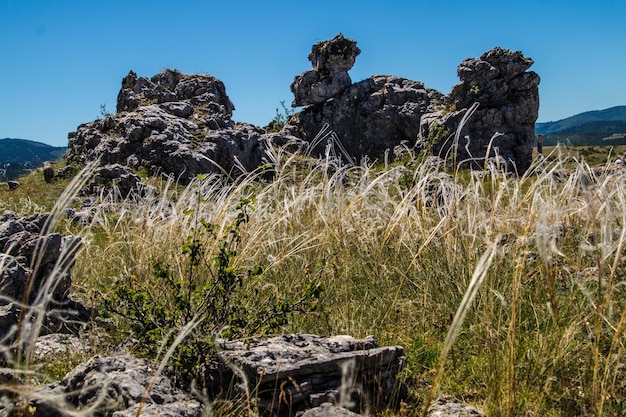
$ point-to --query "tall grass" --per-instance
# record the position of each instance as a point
(505, 291)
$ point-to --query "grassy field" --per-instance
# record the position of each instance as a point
(508, 293)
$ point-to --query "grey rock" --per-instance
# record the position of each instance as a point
(329, 410)
(369, 118)
(116, 181)
(57, 344)
(67, 171)
(48, 173)
(172, 124)
(118, 386)
(36, 272)
(313, 87)
(199, 90)
(331, 61)
(502, 127)
(336, 54)
(178, 108)
(163, 143)
(312, 370)
(449, 407)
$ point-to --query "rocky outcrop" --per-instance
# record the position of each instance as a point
(502, 126)
(377, 115)
(181, 124)
(179, 94)
(35, 275)
(311, 370)
(171, 124)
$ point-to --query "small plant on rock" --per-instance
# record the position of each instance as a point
(282, 117)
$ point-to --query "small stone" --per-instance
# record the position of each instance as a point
(48, 173)
(449, 407)
(13, 185)
(329, 410)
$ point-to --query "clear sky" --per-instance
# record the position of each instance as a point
(60, 60)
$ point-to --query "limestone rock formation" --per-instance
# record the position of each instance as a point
(312, 370)
(172, 124)
(284, 375)
(331, 62)
(502, 127)
(377, 115)
(36, 273)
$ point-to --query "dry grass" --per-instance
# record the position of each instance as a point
(507, 292)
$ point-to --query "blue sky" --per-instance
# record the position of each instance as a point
(62, 59)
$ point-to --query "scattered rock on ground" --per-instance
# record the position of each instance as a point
(311, 370)
(329, 410)
(118, 386)
(48, 173)
(449, 407)
(118, 181)
(59, 344)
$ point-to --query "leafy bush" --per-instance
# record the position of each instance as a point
(205, 294)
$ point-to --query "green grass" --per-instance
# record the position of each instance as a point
(541, 332)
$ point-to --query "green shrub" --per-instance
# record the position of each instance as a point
(206, 294)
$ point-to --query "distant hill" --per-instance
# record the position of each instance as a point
(593, 128)
(20, 156)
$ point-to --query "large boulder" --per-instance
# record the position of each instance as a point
(504, 101)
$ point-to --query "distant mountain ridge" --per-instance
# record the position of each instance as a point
(20, 156)
(598, 127)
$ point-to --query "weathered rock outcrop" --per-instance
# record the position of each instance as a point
(171, 124)
(311, 370)
(373, 117)
(35, 272)
(180, 94)
(502, 127)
